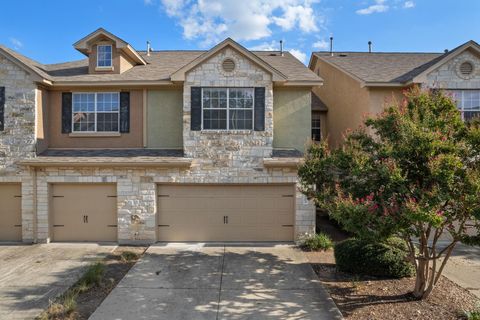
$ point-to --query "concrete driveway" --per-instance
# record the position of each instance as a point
(219, 282)
(32, 275)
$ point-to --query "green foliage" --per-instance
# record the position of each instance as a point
(128, 256)
(315, 242)
(92, 277)
(373, 259)
(472, 315)
(420, 169)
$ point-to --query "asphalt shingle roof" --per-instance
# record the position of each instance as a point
(382, 67)
(160, 65)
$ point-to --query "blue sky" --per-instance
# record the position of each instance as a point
(45, 30)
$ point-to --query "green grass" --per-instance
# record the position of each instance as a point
(128, 256)
(66, 304)
(316, 242)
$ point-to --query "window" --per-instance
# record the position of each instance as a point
(96, 112)
(468, 101)
(316, 127)
(104, 56)
(227, 108)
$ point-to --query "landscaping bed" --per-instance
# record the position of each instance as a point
(80, 301)
(369, 298)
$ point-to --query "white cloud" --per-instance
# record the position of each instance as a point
(212, 20)
(17, 44)
(147, 2)
(302, 56)
(378, 6)
(321, 45)
(409, 4)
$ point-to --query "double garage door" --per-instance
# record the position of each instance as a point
(88, 212)
(10, 212)
(225, 212)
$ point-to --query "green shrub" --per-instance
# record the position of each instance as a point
(373, 259)
(473, 315)
(315, 242)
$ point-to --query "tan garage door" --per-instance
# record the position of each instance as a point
(84, 212)
(10, 212)
(225, 212)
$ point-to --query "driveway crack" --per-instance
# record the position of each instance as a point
(221, 280)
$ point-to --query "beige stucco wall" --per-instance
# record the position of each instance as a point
(291, 118)
(346, 101)
(383, 97)
(133, 139)
(41, 130)
(165, 118)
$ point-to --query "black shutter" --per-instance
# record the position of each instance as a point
(2, 108)
(196, 109)
(124, 112)
(259, 117)
(66, 112)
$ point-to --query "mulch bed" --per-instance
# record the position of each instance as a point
(368, 298)
(115, 270)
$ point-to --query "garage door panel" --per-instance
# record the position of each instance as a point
(10, 212)
(84, 212)
(196, 212)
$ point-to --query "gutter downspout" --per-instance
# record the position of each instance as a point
(34, 199)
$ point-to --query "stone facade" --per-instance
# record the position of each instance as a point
(234, 157)
(448, 76)
(17, 140)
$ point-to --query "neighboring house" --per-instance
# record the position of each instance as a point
(358, 84)
(137, 147)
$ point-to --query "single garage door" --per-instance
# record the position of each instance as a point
(225, 212)
(84, 212)
(10, 212)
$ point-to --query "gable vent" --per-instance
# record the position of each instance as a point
(466, 68)
(228, 65)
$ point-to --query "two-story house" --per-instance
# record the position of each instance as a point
(359, 84)
(144, 146)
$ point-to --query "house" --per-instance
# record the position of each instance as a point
(358, 84)
(144, 146)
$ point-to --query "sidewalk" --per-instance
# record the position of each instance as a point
(463, 268)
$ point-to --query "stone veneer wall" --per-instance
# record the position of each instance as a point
(218, 157)
(17, 141)
(447, 76)
(137, 195)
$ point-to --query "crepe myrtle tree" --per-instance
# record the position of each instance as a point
(412, 171)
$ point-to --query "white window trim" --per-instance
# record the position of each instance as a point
(111, 55)
(460, 105)
(95, 112)
(228, 109)
(315, 114)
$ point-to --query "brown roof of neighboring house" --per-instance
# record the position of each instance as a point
(381, 67)
(160, 66)
(389, 67)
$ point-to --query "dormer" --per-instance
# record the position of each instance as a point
(108, 53)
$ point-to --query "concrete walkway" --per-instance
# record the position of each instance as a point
(32, 275)
(463, 268)
(219, 282)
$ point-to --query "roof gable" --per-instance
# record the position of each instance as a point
(83, 45)
(470, 45)
(179, 75)
(33, 68)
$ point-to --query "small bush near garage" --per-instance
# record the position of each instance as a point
(315, 242)
(373, 259)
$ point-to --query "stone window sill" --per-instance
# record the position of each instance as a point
(94, 134)
(227, 132)
(104, 68)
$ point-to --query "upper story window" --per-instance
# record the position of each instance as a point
(227, 108)
(96, 112)
(468, 101)
(104, 56)
(316, 127)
